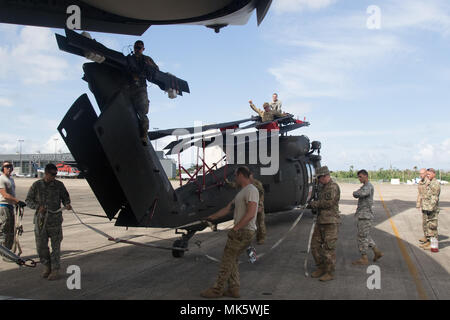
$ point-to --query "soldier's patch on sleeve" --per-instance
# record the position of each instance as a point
(328, 196)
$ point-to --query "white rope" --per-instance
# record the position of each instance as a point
(261, 255)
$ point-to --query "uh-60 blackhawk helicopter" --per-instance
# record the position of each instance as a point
(127, 177)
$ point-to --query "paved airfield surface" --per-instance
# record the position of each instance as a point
(121, 271)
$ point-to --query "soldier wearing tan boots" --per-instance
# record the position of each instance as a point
(325, 235)
(364, 216)
(420, 193)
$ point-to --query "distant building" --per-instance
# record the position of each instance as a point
(169, 165)
(27, 164)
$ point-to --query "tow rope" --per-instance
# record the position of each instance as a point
(261, 255)
(117, 240)
(15, 258)
(309, 245)
(18, 230)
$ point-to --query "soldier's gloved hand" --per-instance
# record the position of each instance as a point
(21, 204)
(68, 207)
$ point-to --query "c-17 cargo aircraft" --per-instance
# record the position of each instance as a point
(131, 17)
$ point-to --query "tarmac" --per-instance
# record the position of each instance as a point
(110, 270)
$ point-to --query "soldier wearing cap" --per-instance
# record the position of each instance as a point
(420, 193)
(267, 114)
(7, 201)
(46, 196)
(430, 207)
(325, 235)
(141, 68)
(364, 216)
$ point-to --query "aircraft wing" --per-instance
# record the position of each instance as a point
(132, 17)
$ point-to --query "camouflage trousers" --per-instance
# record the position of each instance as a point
(424, 223)
(261, 226)
(141, 103)
(431, 223)
(364, 239)
(7, 226)
(237, 242)
(323, 246)
(45, 230)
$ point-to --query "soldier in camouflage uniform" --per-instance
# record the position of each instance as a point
(364, 216)
(275, 104)
(46, 196)
(430, 207)
(420, 193)
(260, 217)
(141, 68)
(325, 235)
(239, 237)
(267, 114)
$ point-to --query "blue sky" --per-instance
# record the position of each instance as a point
(375, 98)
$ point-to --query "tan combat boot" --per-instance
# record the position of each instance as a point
(319, 272)
(363, 261)
(46, 272)
(211, 293)
(378, 254)
(54, 275)
(423, 240)
(327, 277)
(232, 292)
(426, 245)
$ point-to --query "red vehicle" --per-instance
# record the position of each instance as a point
(66, 170)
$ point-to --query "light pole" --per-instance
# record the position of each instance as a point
(39, 158)
(156, 141)
(20, 155)
(56, 142)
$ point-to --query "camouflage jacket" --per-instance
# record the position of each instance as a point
(421, 191)
(276, 105)
(50, 195)
(260, 188)
(327, 204)
(365, 201)
(141, 68)
(266, 116)
(430, 200)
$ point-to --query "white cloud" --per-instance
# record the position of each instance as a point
(32, 57)
(281, 6)
(428, 15)
(327, 67)
(5, 102)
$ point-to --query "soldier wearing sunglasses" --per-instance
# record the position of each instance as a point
(7, 201)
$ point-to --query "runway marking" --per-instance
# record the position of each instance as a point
(411, 267)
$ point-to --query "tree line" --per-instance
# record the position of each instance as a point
(388, 174)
